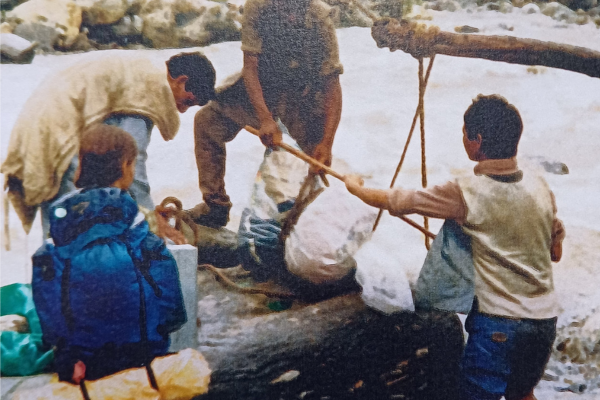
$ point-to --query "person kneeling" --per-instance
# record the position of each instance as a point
(106, 289)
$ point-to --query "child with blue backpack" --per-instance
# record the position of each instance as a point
(106, 289)
(509, 216)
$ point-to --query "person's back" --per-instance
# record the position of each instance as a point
(510, 225)
(509, 217)
(107, 290)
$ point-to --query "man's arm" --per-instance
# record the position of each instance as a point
(444, 202)
(269, 131)
(333, 113)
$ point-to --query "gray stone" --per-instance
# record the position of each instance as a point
(186, 257)
(15, 49)
(45, 36)
(531, 8)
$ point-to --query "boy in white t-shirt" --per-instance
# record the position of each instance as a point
(510, 217)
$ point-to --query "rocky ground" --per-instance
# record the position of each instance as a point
(83, 25)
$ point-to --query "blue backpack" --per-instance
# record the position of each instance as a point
(106, 287)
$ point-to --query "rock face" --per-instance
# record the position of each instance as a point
(56, 20)
(336, 348)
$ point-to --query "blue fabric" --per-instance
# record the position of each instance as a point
(447, 279)
(101, 257)
(504, 356)
(140, 128)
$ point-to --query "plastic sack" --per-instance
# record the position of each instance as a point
(384, 283)
(328, 233)
(275, 189)
(22, 354)
(180, 376)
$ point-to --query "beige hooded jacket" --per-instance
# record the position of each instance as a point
(46, 135)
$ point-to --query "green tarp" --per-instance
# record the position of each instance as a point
(22, 354)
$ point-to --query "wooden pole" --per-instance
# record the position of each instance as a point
(301, 155)
(410, 37)
(331, 172)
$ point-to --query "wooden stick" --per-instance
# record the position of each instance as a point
(331, 172)
(301, 155)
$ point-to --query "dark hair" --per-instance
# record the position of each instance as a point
(499, 124)
(102, 152)
(200, 72)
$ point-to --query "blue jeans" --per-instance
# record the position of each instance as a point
(140, 128)
(504, 356)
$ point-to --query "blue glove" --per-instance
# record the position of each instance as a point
(265, 232)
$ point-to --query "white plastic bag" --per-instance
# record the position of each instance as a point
(384, 282)
(328, 233)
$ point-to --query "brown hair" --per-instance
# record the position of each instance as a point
(102, 152)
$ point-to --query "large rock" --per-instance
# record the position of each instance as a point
(56, 20)
(102, 11)
(559, 12)
(183, 23)
(15, 49)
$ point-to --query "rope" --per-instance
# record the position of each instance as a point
(408, 139)
(179, 215)
(422, 126)
(306, 196)
(176, 211)
(224, 279)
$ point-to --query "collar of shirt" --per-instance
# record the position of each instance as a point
(504, 166)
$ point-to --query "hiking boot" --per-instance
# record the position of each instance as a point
(213, 216)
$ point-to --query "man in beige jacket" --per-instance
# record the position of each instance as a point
(130, 93)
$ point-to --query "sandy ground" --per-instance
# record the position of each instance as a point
(560, 109)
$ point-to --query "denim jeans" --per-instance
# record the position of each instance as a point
(140, 128)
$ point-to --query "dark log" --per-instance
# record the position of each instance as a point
(337, 348)
(424, 42)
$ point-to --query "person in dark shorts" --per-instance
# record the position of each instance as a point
(510, 217)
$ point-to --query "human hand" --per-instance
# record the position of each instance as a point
(167, 231)
(321, 153)
(269, 132)
(354, 183)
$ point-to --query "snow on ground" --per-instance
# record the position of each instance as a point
(560, 109)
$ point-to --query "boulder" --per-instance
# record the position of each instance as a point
(443, 5)
(58, 20)
(102, 11)
(182, 23)
(5, 27)
(531, 8)
(46, 36)
(559, 12)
